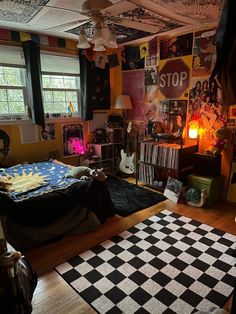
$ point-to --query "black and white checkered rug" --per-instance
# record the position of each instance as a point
(166, 264)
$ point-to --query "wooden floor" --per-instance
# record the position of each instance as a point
(53, 295)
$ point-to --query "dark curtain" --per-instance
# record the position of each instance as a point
(225, 67)
(34, 80)
(94, 87)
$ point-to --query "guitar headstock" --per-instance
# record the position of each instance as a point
(129, 127)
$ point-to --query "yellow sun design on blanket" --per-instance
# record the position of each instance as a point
(24, 182)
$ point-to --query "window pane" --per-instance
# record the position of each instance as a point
(12, 76)
(15, 95)
(3, 94)
(57, 99)
(3, 107)
(16, 107)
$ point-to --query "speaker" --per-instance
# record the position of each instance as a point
(207, 165)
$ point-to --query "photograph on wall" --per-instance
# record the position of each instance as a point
(73, 140)
(176, 46)
(48, 134)
(172, 116)
(173, 189)
(151, 77)
(204, 53)
(205, 107)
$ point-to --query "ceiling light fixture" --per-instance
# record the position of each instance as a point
(98, 38)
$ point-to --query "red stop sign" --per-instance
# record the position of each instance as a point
(174, 78)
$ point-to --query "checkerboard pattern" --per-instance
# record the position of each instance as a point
(166, 264)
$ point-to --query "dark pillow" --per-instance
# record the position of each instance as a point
(78, 172)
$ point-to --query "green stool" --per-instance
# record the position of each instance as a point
(213, 186)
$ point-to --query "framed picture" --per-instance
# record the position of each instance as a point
(173, 189)
(73, 140)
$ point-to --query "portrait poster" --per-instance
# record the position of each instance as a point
(173, 189)
(177, 46)
(48, 134)
(205, 107)
(73, 139)
(133, 85)
(204, 53)
(151, 77)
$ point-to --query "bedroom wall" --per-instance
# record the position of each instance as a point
(40, 150)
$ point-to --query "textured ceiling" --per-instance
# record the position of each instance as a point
(131, 19)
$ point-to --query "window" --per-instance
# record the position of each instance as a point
(61, 84)
(60, 93)
(13, 92)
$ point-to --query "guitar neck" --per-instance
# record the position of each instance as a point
(127, 146)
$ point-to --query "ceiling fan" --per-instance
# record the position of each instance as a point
(106, 13)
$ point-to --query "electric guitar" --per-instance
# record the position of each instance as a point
(127, 164)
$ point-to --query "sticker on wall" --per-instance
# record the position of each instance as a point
(204, 53)
(73, 140)
(174, 78)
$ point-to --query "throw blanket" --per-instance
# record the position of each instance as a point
(55, 197)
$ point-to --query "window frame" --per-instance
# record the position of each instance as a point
(59, 73)
(24, 88)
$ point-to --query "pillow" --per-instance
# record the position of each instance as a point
(78, 172)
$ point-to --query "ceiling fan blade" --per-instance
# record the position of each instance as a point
(163, 11)
(118, 8)
(137, 25)
(66, 26)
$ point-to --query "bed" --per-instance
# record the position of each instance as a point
(45, 204)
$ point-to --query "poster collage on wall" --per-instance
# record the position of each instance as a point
(177, 85)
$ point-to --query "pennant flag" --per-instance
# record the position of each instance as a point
(143, 49)
(43, 40)
(35, 38)
(70, 44)
(153, 47)
(25, 36)
(113, 60)
(100, 60)
(15, 36)
(61, 42)
(89, 54)
(4, 34)
(52, 41)
(70, 107)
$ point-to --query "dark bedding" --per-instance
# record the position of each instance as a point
(55, 197)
